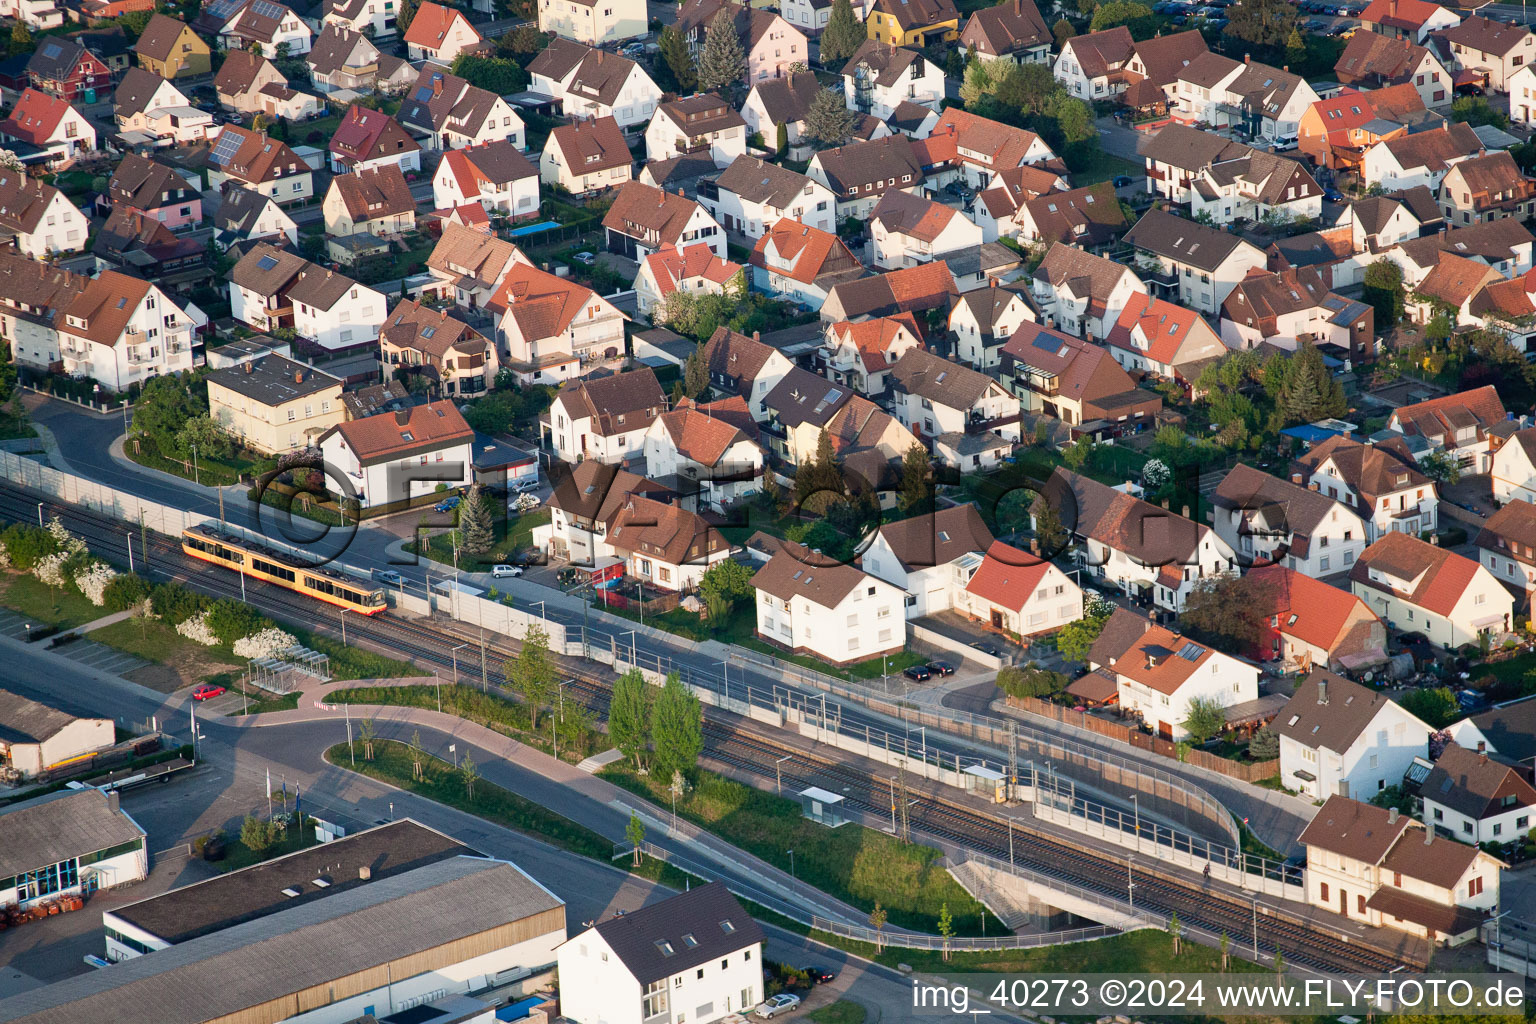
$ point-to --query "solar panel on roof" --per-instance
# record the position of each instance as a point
(1191, 652)
(266, 262)
(833, 395)
(268, 9)
(225, 149)
(52, 50)
(1046, 343)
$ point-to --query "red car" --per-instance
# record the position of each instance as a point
(207, 692)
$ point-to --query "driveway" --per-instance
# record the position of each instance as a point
(1119, 140)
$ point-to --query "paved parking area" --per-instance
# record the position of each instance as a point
(86, 652)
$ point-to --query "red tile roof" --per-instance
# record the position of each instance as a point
(669, 266)
(35, 117)
(1321, 613)
(389, 435)
(1438, 577)
(1399, 13)
(811, 251)
(1008, 577)
(1165, 326)
(874, 338)
(431, 24)
(542, 304)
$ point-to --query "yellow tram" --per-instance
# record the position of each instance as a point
(222, 547)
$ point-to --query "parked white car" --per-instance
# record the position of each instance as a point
(498, 571)
(781, 1003)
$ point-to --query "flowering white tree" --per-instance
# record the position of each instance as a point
(1155, 475)
(5, 557)
(93, 580)
(267, 643)
(50, 569)
(195, 628)
(68, 542)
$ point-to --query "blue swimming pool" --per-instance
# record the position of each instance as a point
(533, 229)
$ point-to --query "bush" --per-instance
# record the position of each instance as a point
(173, 603)
(124, 592)
(1031, 681)
(256, 834)
(26, 545)
(231, 620)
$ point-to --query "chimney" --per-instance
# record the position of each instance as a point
(1185, 512)
(1482, 756)
(1322, 691)
(757, 335)
(402, 416)
(1429, 834)
(1482, 746)
(1392, 816)
(992, 281)
(112, 799)
(298, 376)
(249, 367)
(1295, 478)
(1247, 58)
(364, 873)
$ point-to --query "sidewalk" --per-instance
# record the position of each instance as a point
(604, 807)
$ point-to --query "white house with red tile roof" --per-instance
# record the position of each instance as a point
(1458, 424)
(709, 458)
(1267, 520)
(984, 148)
(394, 456)
(1161, 673)
(494, 175)
(693, 270)
(907, 229)
(746, 367)
(1083, 294)
(1338, 738)
(121, 330)
(549, 326)
(1412, 20)
(369, 139)
(50, 124)
(809, 603)
(1514, 468)
(1020, 593)
(802, 263)
(665, 545)
(439, 33)
(1156, 336)
(606, 419)
(860, 355)
(931, 557)
(696, 124)
(1314, 625)
(588, 156)
(1423, 588)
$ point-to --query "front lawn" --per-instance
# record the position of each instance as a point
(42, 604)
(203, 470)
(1102, 166)
(178, 662)
(509, 535)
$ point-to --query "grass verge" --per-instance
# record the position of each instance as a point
(348, 662)
(237, 855)
(1149, 951)
(153, 640)
(42, 604)
(840, 1012)
(852, 863)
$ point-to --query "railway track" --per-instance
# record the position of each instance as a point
(728, 745)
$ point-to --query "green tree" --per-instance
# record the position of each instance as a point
(1230, 610)
(1439, 328)
(1442, 467)
(1076, 639)
(1062, 31)
(916, 482)
(1435, 707)
(696, 373)
(418, 756)
(818, 484)
(475, 521)
(532, 675)
(1030, 681)
(721, 62)
(164, 405)
(629, 715)
(1311, 391)
(1265, 745)
(1115, 13)
(1262, 22)
(1175, 932)
(1077, 453)
(499, 75)
(367, 734)
(1383, 289)
(829, 122)
(1295, 46)
(674, 53)
(206, 436)
(946, 927)
(1226, 950)
(878, 917)
(727, 580)
(843, 35)
(781, 141)
(21, 37)
(525, 42)
(256, 834)
(677, 728)
(469, 772)
(133, 23)
(1205, 719)
(1049, 531)
(404, 14)
(635, 833)
(1477, 111)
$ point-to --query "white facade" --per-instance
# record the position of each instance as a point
(1332, 546)
(1482, 600)
(156, 340)
(931, 418)
(635, 103)
(815, 206)
(593, 23)
(894, 250)
(1410, 510)
(62, 228)
(516, 198)
(735, 475)
(1222, 680)
(380, 483)
(351, 320)
(1382, 167)
(1051, 603)
(1069, 312)
(981, 348)
(292, 37)
(1503, 827)
(597, 988)
(1212, 558)
(925, 88)
(1377, 758)
(1513, 473)
(665, 138)
(868, 621)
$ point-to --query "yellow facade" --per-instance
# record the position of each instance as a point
(190, 56)
(885, 28)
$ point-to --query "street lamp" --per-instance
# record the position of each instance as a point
(438, 682)
(1130, 883)
(778, 770)
(791, 863)
(455, 654)
(196, 476)
(725, 682)
(554, 732)
(39, 515)
(1136, 807)
(344, 626)
(541, 611)
(633, 652)
(1255, 929)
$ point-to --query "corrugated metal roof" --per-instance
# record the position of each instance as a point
(59, 826)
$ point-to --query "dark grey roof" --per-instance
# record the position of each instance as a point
(256, 891)
(1182, 240)
(273, 380)
(1511, 729)
(1329, 712)
(72, 823)
(23, 720)
(272, 960)
(55, 58)
(240, 208)
(680, 933)
(803, 397)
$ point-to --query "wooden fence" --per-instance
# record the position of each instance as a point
(1255, 771)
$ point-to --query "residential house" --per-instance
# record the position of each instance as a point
(809, 16)
(802, 264)
(643, 220)
(1460, 425)
(1513, 468)
(1228, 180)
(1477, 797)
(1493, 49)
(1488, 187)
(273, 404)
(1341, 739)
(32, 296)
(665, 545)
(932, 395)
(808, 603)
(245, 215)
(1020, 594)
(1145, 551)
(270, 25)
(39, 15)
(1372, 61)
(931, 557)
(38, 217)
(1092, 66)
(881, 76)
(146, 104)
(455, 358)
(1083, 294)
(605, 419)
(396, 457)
(692, 270)
(1269, 521)
(1422, 158)
(51, 125)
(170, 49)
(984, 148)
(777, 105)
(1089, 217)
(587, 156)
(131, 242)
(867, 440)
(1380, 222)
(375, 202)
(745, 367)
(1013, 31)
(698, 124)
(1288, 308)
(1414, 585)
(156, 191)
(344, 58)
(1507, 729)
(453, 114)
(1374, 866)
(590, 82)
(1075, 381)
(65, 68)
(1507, 543)
(1266, 101)
(587, 497)
(375, 19)
(1413, 20)
(907, 230)
(1155, 336)
(439, 34)
(548, 327)
(915, 23)
(1381, 482)
(494, 175)
(1197, 266)
(120, 331)
(1505, 245)
(251, 84)
(260, 163)
(929, 286)
(861, 355)
(1160, 61)
(703, 456)
(771, 45)
(983, 320)
(272, 288)
(1335, 132)
(999, 209)
(752, 195)
(468, 266)
(1161, 674)
(1178, 156)
(367, 140)
(1315, 625)
(592, 23)
(860, 173)
(1522, 95)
